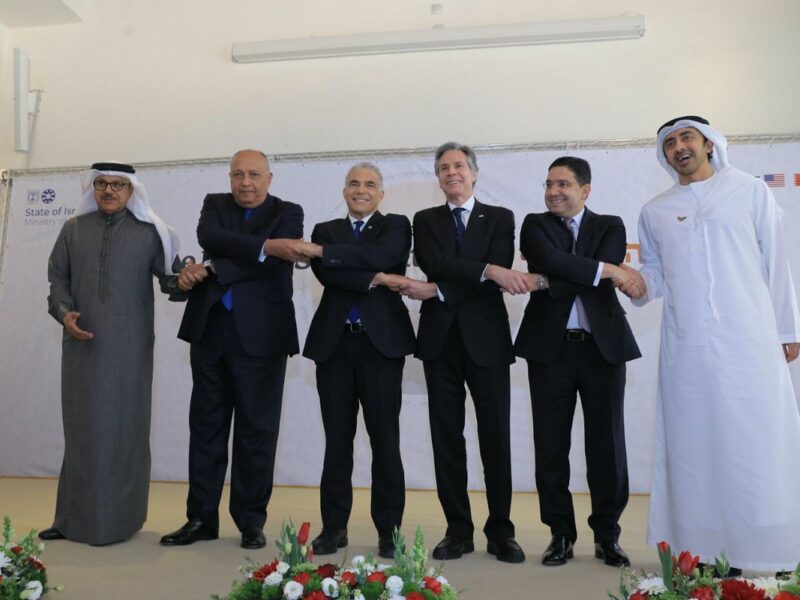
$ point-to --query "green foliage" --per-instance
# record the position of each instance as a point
(22, 564)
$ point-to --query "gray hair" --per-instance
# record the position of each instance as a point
(472, 160)
(369, 167)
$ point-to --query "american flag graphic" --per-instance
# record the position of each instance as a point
(775, 180)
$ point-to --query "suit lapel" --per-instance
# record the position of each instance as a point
(372, 227)
(475, 224)
(260, 215)
(447, 226)
(585, 233)
(561, 231)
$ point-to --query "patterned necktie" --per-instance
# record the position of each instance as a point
(353, 314)
(583, 320)
(460, 228)
(227, 297)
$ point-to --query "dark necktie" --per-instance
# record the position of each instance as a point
(460, 228)
(227, 297)
(583, 320)
(353, 314)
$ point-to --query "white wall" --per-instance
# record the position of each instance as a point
(152, 80)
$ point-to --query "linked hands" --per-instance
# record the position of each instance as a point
(629, 281)
(407, 286)
(190, 276)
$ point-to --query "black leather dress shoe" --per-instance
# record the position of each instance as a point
(253, 538)
(611, 554)
(51, 534)
(385, 547)
(451, 548)
(559, 550)
(193, 531)
(329, 541)
(506, 550)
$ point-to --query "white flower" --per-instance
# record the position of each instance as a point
(768, 584)
(441, 579)
(330, 588)
(273, 578)
(651, 585)
(358, 595)
(358, 560)
(394, 585)
(282, 568)
(382, 566)
(32, 591)
(4, 560)
(293, 590)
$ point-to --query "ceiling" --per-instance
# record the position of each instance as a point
(38, 13)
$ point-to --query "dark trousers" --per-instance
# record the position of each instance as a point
(579, 368)
(490, 389)
(357, 371)
(227, 381)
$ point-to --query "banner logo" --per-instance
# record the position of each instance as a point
(33, 196)
(48, 196)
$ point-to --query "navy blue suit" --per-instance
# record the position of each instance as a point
(238, 357)
(363, 367)
(559, 369)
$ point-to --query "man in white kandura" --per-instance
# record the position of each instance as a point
(727, 425)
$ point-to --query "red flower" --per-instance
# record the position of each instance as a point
(315, 595)
(637, 595)
(303, 578)
(687, 563)
(33, 562)
(377, 576)
(326, 570)
(703, 593)
(309, 555)
(414, 596)
(786, 596)
(663, 547)
(302, 535)
(432, 584)
(737, 589)
(16, 549)
(261, 573)
(349, 578)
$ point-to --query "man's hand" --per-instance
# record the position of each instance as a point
(629, 281)
(791, 350)
(190, 276)
(310, 250)
(71, 325)
(285, 248)
(418, 290)
(509, 280)
(390, 280)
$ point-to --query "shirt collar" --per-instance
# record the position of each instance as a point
(363, 219)
(577, 218)
(468, 206)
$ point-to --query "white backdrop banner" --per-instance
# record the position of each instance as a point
(31, 436)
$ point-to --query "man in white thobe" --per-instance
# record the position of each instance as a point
(727, 424)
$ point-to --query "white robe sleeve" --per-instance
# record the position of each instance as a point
(769, 233)
(651, 260)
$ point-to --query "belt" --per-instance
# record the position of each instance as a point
(354, 328)
(577, 335)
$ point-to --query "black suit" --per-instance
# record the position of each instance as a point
(467, 339)
(363, 366)
(559, 369)
(238, 357)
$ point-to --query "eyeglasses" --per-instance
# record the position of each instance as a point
(559, 184)
(117, 186)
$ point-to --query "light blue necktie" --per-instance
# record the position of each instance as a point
(583, 320)
(227, 297)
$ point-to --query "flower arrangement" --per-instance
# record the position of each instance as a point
(22, 574)
(682, 579)
(292, 576)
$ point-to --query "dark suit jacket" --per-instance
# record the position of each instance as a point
(263, 309)
(477, 308)
(545, 241)
(346, 269)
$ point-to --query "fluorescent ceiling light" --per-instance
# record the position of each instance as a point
(490, 36)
